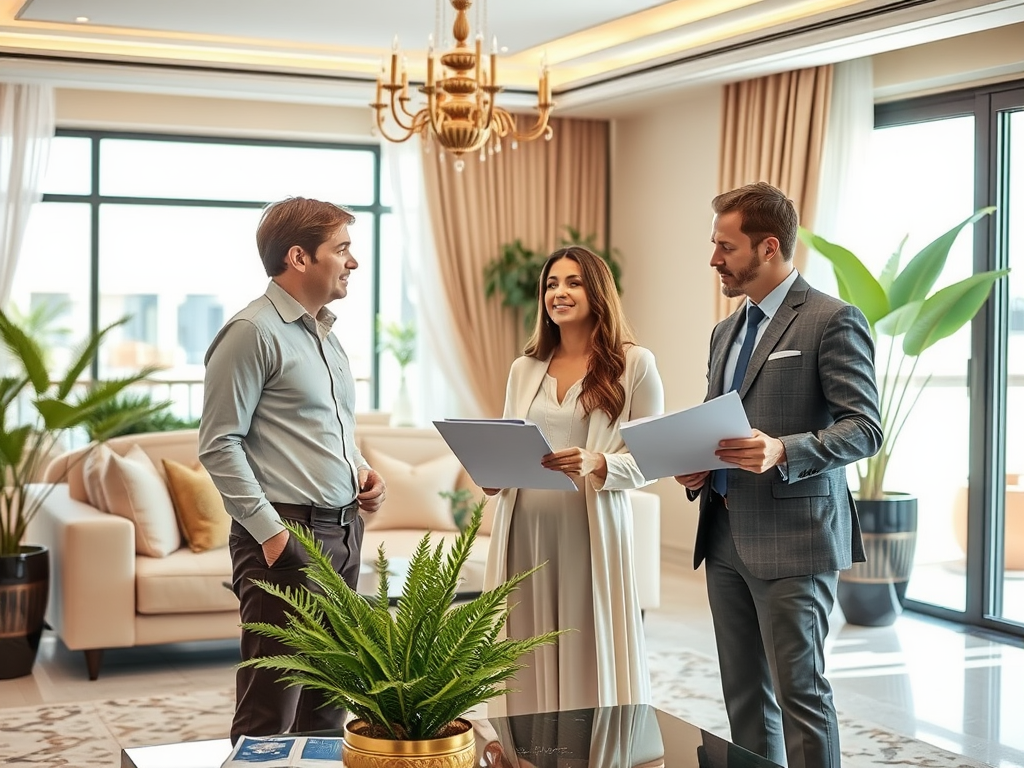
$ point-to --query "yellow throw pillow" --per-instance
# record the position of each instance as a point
(134, 489)
(198, 505)
(413, 493)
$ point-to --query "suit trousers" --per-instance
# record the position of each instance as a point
(770, 636)
(264, 706)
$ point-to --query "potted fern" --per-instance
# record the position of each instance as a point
(407, 676)
(906, 318)
(36, 410)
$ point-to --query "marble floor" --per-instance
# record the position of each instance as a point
(958, 690)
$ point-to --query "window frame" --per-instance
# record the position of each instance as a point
(376, 209)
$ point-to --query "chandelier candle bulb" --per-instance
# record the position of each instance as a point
(479, 46)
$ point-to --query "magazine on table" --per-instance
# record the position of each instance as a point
(286, 752)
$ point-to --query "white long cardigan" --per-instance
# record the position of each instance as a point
(622, 674)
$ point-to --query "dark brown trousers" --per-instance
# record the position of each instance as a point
(264, 706)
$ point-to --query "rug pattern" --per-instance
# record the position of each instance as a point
(92, 734)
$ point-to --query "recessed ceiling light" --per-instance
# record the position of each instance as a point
(82, 19)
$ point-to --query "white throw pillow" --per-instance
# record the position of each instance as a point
(135, 490)
(413, 493)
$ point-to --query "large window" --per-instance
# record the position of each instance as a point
(935, 161)
(161, 229)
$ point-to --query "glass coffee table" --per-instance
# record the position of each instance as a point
(631, 736)
(470, 586)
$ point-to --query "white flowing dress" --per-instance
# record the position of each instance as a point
(552, 527)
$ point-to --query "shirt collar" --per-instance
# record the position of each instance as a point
(290, 309)
(770, 304)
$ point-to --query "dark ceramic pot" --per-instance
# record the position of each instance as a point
(872, 593)
(24, 589)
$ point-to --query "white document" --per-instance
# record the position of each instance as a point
(685, 441)
(503, 453)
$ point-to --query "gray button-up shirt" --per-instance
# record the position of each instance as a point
(278, 422)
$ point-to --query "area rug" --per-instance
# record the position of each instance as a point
(90, 734)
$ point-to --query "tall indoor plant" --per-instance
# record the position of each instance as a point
(26, 442)
(408, 676)
(906, 318)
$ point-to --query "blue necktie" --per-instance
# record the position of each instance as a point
(719, 478)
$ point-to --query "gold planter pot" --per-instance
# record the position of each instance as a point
(361, 751)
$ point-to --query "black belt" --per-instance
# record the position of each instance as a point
(309, 513)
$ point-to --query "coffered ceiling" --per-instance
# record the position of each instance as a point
(600, 52)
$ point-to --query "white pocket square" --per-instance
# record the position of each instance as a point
(784, 353)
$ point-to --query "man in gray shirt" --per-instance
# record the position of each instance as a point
(277, 437)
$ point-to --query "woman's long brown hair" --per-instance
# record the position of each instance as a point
(602, 388)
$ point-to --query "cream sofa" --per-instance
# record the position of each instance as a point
(105, 595)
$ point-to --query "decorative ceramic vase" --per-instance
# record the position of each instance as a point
(24, 590)
(872, 593)
(402, 414)
(362, 751)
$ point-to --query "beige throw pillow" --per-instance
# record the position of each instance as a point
(199, 506)
(413, 495)
(93, 469)
(134, 489)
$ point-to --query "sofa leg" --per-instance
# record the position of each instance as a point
(93, 659)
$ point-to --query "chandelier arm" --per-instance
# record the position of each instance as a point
(538, 127)
(396, 113)
(383, 132)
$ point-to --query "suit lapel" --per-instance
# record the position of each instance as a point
(786, 314)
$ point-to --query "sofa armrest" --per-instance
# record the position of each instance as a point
(92, 571)
(647, 547)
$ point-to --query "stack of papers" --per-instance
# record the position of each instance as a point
(684, 442)
(503, 453)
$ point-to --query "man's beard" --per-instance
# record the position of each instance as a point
(745, 276)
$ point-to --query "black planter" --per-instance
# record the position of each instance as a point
(872, 593)
(24, 589)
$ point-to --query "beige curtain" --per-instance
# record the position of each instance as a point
(773, 130)
(531, 193)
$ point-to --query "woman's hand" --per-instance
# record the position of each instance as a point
(577, 461)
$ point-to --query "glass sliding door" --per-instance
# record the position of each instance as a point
(1008, 586)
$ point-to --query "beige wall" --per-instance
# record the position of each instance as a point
(127, 111)
(664, 174)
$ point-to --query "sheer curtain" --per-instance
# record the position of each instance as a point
(442, 389)
(845, 176)
(26, 128)
(773, 130)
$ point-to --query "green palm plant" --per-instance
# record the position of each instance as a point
(901, 308)
(410, 673)
(397, 338)
(25, 444)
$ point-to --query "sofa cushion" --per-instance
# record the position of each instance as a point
(94, 467)
(184, 582)
(135, 490)
(199, 506)
(413, 493)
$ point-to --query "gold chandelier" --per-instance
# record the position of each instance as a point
(460, 110)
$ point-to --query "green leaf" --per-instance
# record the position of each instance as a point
(892, 266)
(920, 274)
(899, 320)
(948, 310)
(856, 284)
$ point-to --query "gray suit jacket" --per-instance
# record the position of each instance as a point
(823, 404)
